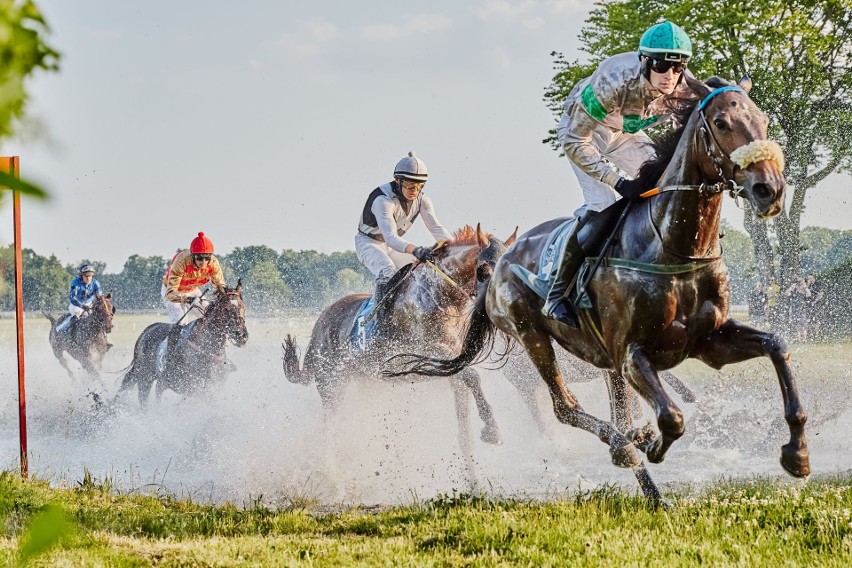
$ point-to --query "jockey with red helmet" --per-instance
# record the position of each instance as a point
(388, 214)
(188, 271)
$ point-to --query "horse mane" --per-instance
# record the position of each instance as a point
(466, 236)
(681, 108)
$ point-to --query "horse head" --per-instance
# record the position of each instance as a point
(731, 134)
(229, 312)
(470, 257)
(102, 312)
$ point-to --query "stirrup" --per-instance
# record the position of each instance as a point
(564, 312)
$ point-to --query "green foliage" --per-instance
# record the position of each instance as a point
(23, 50)
(45, 281)
(755, 523)
(46, 530)
(834, 312)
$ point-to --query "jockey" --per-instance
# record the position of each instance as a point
(84, 288)
(388, 214)
(189, 270)
(602, 123)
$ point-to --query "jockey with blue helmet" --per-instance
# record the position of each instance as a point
(388, 214)
(602, 126)
(84, 289)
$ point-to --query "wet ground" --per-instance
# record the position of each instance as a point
(259, 435)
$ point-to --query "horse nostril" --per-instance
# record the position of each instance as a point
(762, 191)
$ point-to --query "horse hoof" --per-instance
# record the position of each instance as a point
(795, 462)
(643, 438)
(625, 456)
(491, 435)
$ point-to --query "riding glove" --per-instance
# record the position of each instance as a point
(630, 188)
(423, 254)
(86, 308)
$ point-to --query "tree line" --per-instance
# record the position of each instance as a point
(272, 281)
(307, 279)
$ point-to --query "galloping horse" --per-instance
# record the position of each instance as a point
(196, 361)
(426, 313)
(86, 339)
(662, 294)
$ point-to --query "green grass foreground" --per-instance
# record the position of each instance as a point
(755, 523)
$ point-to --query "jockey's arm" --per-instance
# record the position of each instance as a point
(216, 276)
(427, 212)
(176, 272)
(575, 134)
(383, 210)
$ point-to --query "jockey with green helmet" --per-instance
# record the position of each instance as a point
(602, 125)
(388, 214)
(84, 289)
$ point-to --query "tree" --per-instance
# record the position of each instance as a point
(23, 50)
(798, 54)
(138, 285)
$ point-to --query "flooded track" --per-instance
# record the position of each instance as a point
(259, 435)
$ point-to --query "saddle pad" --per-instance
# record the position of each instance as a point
(362, 331)
(548, 264)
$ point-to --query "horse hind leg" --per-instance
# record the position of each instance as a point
(490, 433)
(462, 405)
(568, 411)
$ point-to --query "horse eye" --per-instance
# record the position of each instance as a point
(720, 124)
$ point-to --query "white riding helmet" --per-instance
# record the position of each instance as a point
(410, 168)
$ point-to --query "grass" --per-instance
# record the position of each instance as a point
(755, 523)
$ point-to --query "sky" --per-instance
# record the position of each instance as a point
(269, 123)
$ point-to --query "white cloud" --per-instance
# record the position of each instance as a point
(412, 25)
(309, 39)
(505, 10)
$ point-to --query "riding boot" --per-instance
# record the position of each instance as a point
(379, 306)
(559, 304)
(65, 325)
(172, 338)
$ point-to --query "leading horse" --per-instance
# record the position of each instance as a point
(662, 294)
(86, 338)
(196, 361)
(427, 310)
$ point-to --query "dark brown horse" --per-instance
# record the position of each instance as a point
(85, 340)
(197, 360)
(662, 295)
(427, 313)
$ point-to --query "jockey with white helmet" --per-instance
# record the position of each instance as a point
(601, 126)
(84, 288)
(388, 214)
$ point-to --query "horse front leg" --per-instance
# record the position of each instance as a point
(637, 369)
(734, 342)
(490, 433)
(462, 404)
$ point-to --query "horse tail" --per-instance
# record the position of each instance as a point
(477, 344)
(50, 317)
(291, 362)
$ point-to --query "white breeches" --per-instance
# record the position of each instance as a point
(379, 258)
(627, 151)
(176, 310)
(76, 311)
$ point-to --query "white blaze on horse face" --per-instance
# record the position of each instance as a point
(235, 303)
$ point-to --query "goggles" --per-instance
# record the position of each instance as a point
(662, 66)
(201, 257)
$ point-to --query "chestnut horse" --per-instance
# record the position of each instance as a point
(197, 360)
(427, 312)
(662, 294)
(85, 340)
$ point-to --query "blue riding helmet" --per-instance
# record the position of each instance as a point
(666, 41)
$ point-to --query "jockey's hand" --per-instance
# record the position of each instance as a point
(86, 308)
(189, 300)
(423, 254)
(630, 188)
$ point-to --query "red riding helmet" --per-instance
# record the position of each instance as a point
(201, 245)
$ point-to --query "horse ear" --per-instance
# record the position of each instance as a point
(109, 296)
(512, 238)
(239, 287)
(700, 88)
(481, 238)
(745, 83)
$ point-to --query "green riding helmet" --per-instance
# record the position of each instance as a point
(666, 41)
